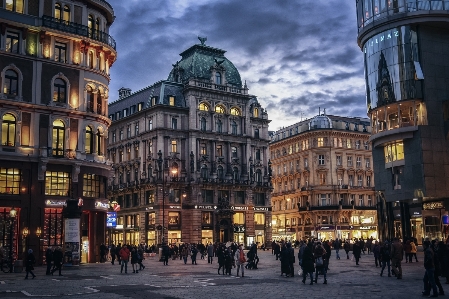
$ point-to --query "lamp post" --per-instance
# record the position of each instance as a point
(12, 215)
(285, 218)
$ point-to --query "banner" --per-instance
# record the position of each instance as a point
(72, 241)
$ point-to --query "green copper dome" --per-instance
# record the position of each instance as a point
(199, 60)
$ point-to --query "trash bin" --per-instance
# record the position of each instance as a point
(18, 266)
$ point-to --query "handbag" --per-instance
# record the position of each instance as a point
(319, 261)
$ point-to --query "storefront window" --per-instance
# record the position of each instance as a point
(92, 184)
(151, 238)
(10, 180)
(149, 196)
(206, 218)
(239, 218)
(52, 232)
(174, 237)
(173, 218)
(151, 218)
(259, 218)
(206, 236)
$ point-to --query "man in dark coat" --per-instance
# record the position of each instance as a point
(165, 254)
(48, 259)
(356, 250)
(117, 251)
(113, 249)
(57, 260)
(30, 260)
(429, 276)
(307, 263)
(347, 248)
(277, 250)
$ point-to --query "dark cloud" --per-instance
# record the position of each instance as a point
(296, 55)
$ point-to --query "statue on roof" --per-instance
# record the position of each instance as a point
(202, 40)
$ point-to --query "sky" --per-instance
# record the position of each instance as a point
(296, 55)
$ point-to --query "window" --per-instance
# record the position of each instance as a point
(357, 144)
(174, 146)
(234, 128)
(320, 142)
(58, 138)
(92, 185)
(259, 218)
(90, 25)
(91, 59)
(89, 145)
(206, 218)
(220, 172)
(349, 161)
(239, 197)
(151, 218)
(114, 136)
(60, 52)
(339, 162)
(203, 149)
(258, 176)
(10, 87)
(219, 126)
(219, 151)
(140, 106)
(174, 123)
(306, 162)
(149, 197)
(153, 101)
(256, 112)
(239, 218)
(258, 155)
(367, 162)
(219, 109)
(121, 134)
(235, 174)
(256, 133)
(366, 145)
(320, 159)
(90, 99)
(358, 162)
(173, 218)
(57, 183)
(370, 201)
(217, 78)
(322, 178)
(10, 179)
(99, 103)
(322, 200)
(394, 152)
(234, 151)
(128, 132)
(171, 100)
(150, 124)
(175, 196)
(59, 91)
(8, 130)
(12, 42)
(351, 180)
(203, 107)
(208, 196)
(136, 129)
(99, 143)
(361, 200)
(359, 181)
(203, 124)
(97, 25)
(339, 179)
(348, 143)
(15, 5)
(66, 14)
(204, 172)
(368, 181)
(235, 111)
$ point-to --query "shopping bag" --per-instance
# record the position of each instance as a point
(300, 272)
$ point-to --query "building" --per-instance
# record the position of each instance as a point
(323, 180)
(405, 48)
(54, 62)
(190, 157)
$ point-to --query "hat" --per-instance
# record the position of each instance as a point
(30, 250)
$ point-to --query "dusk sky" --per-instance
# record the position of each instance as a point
(295, 55)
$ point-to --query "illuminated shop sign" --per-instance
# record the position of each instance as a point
(239, 228)
(101, 205)
(111, 219)
(367, 227)
(55, 202)
(239, 208)
(261, 209)
(174, 207)
(433, 205)
(206, 207)
(382, 37)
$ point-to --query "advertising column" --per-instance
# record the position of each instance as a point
(72, 213)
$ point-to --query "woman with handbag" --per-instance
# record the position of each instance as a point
(320, 261)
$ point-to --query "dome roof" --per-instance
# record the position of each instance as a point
(320, 122)
(197, 62)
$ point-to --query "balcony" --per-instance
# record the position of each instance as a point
(78, 29)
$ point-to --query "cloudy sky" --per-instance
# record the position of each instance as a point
(295, 55)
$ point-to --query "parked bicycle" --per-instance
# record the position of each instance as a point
(5, 265)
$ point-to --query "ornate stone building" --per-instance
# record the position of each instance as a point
(323, 179)
(190, 156)
(54, 62)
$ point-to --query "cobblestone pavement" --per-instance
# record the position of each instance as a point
(177, 280)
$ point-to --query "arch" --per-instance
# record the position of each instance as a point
(12, 76)
(90, 24)
(203, 106)
(60, 95)
(89, 140)
(220, 109)
(97, 25)
(9, 123)
(90, 97)
(58, 11)
(235, 111)
(99, 103)
(58, 138)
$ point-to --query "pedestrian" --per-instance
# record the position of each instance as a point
(376, 252)
(307, 263)
(57, 260)
(210, 253)
(124, 258)
(194, 252)
(413, 251)
(103, 253)
(30, 260)
(429, 275)
(337, 247)
(291, 260)
(347, 248)
(134, 259)
(113, 254)
(397, 254)
(228, 260)
(320, 261)
(221, 259)
(277, 250)
(140, 258)
(117, 252)
(437, 262)
(165, 254)
(48, 259)
(356, 251)
(184, 253)
(385, 258)
(407, 251)
(285, 260)
(328, 250)
(240, 260)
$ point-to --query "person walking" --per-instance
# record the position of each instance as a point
(291, 260)
(221, 258)
(194, 252)
(124, 258)
(320, 261)
(407, 251)
(413, 251)
(337, 247)
(429, 275)
(57, 260)
(48, 259)
(307, 263)
(385, 258)
(347, 248)
(113, 254)
(134, 260)
(165, 254)
(356, 251)
(117, 252)
(240, 260)
(30, 260)
(210, 253)
(438, 265)
(140, 258)
(228, 260)
(185, 253)
(376, 252)
(397, 254)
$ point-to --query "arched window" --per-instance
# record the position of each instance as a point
(234, 127)
(235, 174)
(90, 25)
(66, 14)
(8, 130)
(10, 87)
(256, 112)
(15, 5)
(99, 103)
(235, 111)
(91, 59)
(90, 99)
(88, 147)
(219, 109)
(204, 171)
(258, 176)
(97, 25)
(59, 91)
(220, 172)
(217, 78)
(58, 136)
(99, 143)
(58, 11)
(219, 125)
(204, 107)
(203, 124)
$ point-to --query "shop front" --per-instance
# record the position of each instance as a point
(207, 234)
(326, 232)
(432, 214)
(239, 234)
(9, 227)
(364, 232)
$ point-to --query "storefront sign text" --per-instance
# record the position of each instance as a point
(432, 205)
(174, 207)
(101, 205)
(239, 208)
(367, 227)
(55, 202)
(206, 207)
(111, 219)
(261, 209)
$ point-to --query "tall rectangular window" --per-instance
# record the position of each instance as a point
(320, 159)
(57, 183)
(219, 151)
(259, 218)
(91, 185)
(12, 42)
(320, 142)
(174, 123)
(322, 178)
(171, 100)
(128, 132)
(239, 197)
(208, 196)
(361, 203)
(339, 163)
(149, 197)
(206, 218)
(359, 181)
(349, 161)
(259, 199)
(60, 52)
(203, 149)
(151, 218)
(136, 129)
(367, 162)
(239, 218)
(174, 146)
(370, 201)
(351, 180)
(150, 124)
(368, 181)
(348, 143)
(10, 180)
(394, 152)
(358, 162)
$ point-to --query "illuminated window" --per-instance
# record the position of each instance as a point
(59, 91)
(10, 179)
(235, 111)
(322, 178)
(89, 140)
(219, 109)
(394, 152)
(348, 143)
(174, 218)
(149, 197)
(8, 130)
(58, 138)
(151, 218)
(10, 87)
(57, 183)
(15, 5)
(91, 185)
(174, 146)
(259, 218)
(206, 217)
(171, 100)
(90, 99)
(239, 218)
(90, 25)
(66, 14)
(60, 52)
(203, 149)
(12, 42)
(256, 112)
(203, 107)
(219, 152)
(320, 142)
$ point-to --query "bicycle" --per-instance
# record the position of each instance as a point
(5, 265)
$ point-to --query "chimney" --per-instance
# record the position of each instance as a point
(123, 93)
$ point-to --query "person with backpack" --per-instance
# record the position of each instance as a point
(385, 258)
(240, 259)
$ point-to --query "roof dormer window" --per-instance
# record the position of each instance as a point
(171, 100)
(218, 78)
(256, 112)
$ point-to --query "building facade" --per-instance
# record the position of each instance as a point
(322, 177)
(405, 46)
(190, 157)
(54, 62)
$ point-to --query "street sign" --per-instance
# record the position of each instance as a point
(111, 219)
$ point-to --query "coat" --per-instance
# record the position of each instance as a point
(237, 257)
(308, 261)
(30, 262)
(57, 257)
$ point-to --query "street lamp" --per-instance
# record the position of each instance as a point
(12, 215)
(285, 218)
